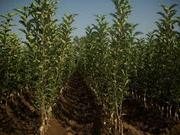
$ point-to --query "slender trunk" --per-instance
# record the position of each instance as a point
(121, 127)
(116, 120)
(120, 118)
(43, 117)
(176, 116)
(177, 113)
(167, 111)
(144, 99)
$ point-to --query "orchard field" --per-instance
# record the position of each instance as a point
(111, 81)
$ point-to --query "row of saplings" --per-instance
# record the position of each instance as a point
(83, 81)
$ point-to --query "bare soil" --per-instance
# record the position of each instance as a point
(77, 107)
(55, 128)
(77, 113)
(17, 114)
(149, 122)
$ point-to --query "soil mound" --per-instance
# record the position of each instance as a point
(149, 121)
(77, 106)
(17, 114)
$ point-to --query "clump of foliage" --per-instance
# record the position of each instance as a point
(105, 58)
(157, 80)
(10, 52)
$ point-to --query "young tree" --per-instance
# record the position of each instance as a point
(49, 53)
(121, 36)
(93, 61)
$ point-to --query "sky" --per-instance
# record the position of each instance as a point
(144, 12)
